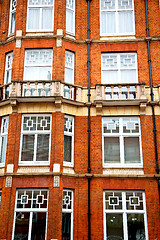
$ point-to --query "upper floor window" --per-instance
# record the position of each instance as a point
(69, 74)
(35, 139)
(30, 219)
(117, 17)
(68, 141)
(3, 139)
(70, 16)
(119, 68)
(122, 142)
(8, 68)
(12, 17)
(125, 215)
(67, 215)
(40, 15)
(38, 64)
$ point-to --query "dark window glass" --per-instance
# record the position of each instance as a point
(66, 226)
(114, 226)
(136, 226)
(27, 148)
(111, 150)
(67, 148)
(42, 147)
(21, 226)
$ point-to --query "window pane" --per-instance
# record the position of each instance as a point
(33, 18)
(38, 226)
(135, 224)
(111, 150)
(128, 76)
(13, 22)
(27, 148)
(69, 21)
(47, 19)
(44, 73)
(3, 149)
(131, 150)
(66, 226)
(125, 17)
(114, 226)
(21, 226)
(109, 77)
(42, 147)
(31, 73)
(67, 148)
(69, 75)
(108, 22)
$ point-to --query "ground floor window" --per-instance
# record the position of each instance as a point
(30, 214)
(67, 215)
(125, 215)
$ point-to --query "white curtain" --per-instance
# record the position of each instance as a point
(69, 21)
(108, 22)
(125, 22)
(33, 18)
(47, 19)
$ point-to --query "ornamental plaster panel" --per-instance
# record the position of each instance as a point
(122, 171)
(33, 169)
(8, 182)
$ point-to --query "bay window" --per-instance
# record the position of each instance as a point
(35, 139)
(30, 217)
(68, 141)
(117, 17)
(67, 215)
(125, 215)
(69, 73)
(122, 142)
(3, 139)
(40, 15)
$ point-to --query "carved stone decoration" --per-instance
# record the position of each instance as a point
(56, 181)
(18, 43)
(143, 92)
(13, 103)
(143, 108)
(8, 182)
(98, 92)
(59, 37)
(99, 109)
(58, 104)
(57, 88)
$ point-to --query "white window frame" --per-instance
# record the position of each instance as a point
(118, 68)
(38, 65)
(30, 210)
(40, 20)
(71, 67)
(8, 68)
(35, 133)
(116, 10)
(12, 12)
(124, 212)
(2, 135)
(72, 10)
(0, 197)
(69, 210)
(121, 136)
(71, 134)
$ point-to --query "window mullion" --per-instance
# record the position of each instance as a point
(35, 147)
(30, 225)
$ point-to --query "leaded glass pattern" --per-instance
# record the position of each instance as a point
(119, 68)
(39, 63)
(35, 139)
(68, 141)
(3, 139)
(117, 17)
(125, 215)
(122, 141)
